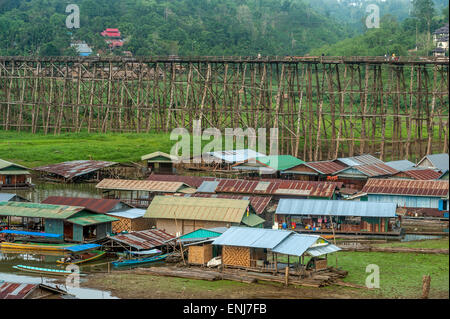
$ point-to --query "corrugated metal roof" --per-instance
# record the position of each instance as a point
(200, 234)
(167, 157)
(439, 161)
(74, 168)
(288, 206)
(259, 203)
(252, 220)
(252, 237)
(322, 250)
(372, 170)
(365, 159)
(406, 187)
(401, 165)
(5, 197)
(295, 244)
(38, 210)
(326, 167)
(140, 185)
(15, 172)
(13, 290)
(84, 219)
(191, 208)
(271, 162)
(193, 181)
(5, 164)
(144, 239)
(423, 174)
(82, 247)
(235, 156)
(96, 205)
(208, 187)
(131, 213)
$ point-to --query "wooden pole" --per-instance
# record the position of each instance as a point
(426, 280)
(286, 277)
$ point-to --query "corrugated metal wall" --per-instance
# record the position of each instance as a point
(77, 233)
(406, 201)
(54, 226)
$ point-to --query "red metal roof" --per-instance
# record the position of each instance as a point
(423, 174)
(193, 181)
(12, 290)
(406, 187)
(96, 205)
(326, 167)
(259, 203)
(373, 170)
(74, 168)
(144, 239)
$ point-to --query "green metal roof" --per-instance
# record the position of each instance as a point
(197, 208)
(20, 209)
(159, 157)
(5, 165)
(85, 219)
(280, 162)
(252, 220)
(201, 233)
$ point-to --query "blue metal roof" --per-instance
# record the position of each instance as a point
(252, 237)
(402, 165)
(295, 244)
(131, 213)
(288, 206)
(30, 233)
(82, 247)
(439, 161)
(208, 187)
(322, 250)
(5, 197)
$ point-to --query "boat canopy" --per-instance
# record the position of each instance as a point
(83, 247)
(30, 233)
(145, 252)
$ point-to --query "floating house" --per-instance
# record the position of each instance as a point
(198, 243)
(181, 215)
(139, 193)
(76, 171)
(128, 217)
(337, 216)
(193, 181)
(435, 162)
(411, 195)
(138, 241)
(313, 171)
(14, 176)
(160, 162)
(244, 247)
(268, 165)
(76, 224)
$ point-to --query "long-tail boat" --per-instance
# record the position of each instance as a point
(81, 253)
(45, 271)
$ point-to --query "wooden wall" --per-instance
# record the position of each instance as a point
(236, 256)
(200, 255)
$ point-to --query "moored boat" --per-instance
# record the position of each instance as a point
(138, 261)
(46, 271)
(81, 254)
(34, 246)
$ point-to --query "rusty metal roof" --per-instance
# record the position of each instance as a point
(12, 290)
(96, 205)
(193, 181)
(423, 174)
(74, 168)
(278, 187)
(326, 167)
(406, 187)
(140, 185)
(373, 170)
(259, 203)
(144, 239)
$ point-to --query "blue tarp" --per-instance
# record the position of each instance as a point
(30, 233)
(82, 247)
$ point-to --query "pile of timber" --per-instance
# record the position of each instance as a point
(310, 279)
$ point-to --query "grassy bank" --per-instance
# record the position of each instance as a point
(33, 150)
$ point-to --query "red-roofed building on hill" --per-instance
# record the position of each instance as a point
(112, 37)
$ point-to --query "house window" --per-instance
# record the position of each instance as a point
(444, 205)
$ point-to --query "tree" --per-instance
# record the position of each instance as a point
(423, 11)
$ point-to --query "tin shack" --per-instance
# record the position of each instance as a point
(14, 176)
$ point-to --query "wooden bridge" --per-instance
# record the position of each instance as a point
(324, 107)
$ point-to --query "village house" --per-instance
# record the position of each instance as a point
(269, 166)
(244, 247)
(160, 162)
(440, 40)
(128, 217)
(81, 171)
(112, 37)
(435, 162)
(337, 217)
(413, 197)
(139, 193)
(7, 197)
(14, 176)
(74, 223)
(181, 215)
